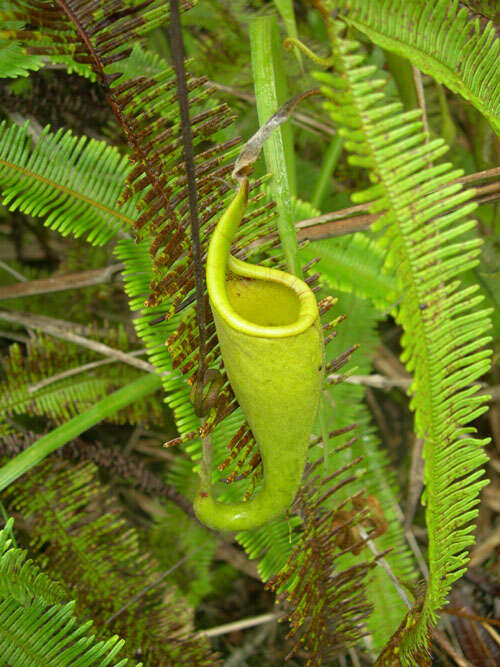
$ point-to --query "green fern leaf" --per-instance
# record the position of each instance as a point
(21, 579)
(441, 40)
(374, 474)
(72, 183)
(50, 636)
(69, 396)
(352, 263)
(52, 33)
(15, 62)
(34, 627)
(79, 532)
(444, 331)
(173, 536)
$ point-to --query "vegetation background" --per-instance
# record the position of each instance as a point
(101, 558)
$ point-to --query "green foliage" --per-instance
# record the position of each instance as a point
(54, 35)
(352, 263)
(175, 535)
(36, 627)
(67, 397)
(15, 62)
(344, 405)
(138, 276)
(75, 529)
(50, 442)
(285, 8)
(50, 636)
(326, 601)
(21, 579)
(443, 343)
(272, 544)
(439, 38)
(80, 533)
(72, 183)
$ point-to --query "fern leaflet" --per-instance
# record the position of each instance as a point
(67, 397)
(79, 532)
(35, 626)
(21, 579)
(15, 62)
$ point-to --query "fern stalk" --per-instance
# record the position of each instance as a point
(31, 457)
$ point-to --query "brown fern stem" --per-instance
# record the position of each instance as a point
(177, 49)
(98, 67)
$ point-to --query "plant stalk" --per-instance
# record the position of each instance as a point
(270, 94)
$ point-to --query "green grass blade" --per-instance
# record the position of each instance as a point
(330, 161)
(270, 93)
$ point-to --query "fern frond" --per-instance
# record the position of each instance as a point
(172, 537)
(440, 38)
(68, 396)
(445, 333)
(21, 579)
(14, 61)
(355, 264)
(35, 627)
(352, 263)
(149, 117)
(272, 544)
(78, 531)
(72, 183)
(129, 467)
(58, 36)
(326, 601)
(374, 473)
(138, 275)
(51, 33)
(50, 635)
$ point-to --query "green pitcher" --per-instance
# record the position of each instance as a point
(272, 345)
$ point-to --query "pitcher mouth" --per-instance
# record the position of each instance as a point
(263, 302)
(281, 312)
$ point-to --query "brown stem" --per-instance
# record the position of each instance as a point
(59, 283)
(177, 51)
